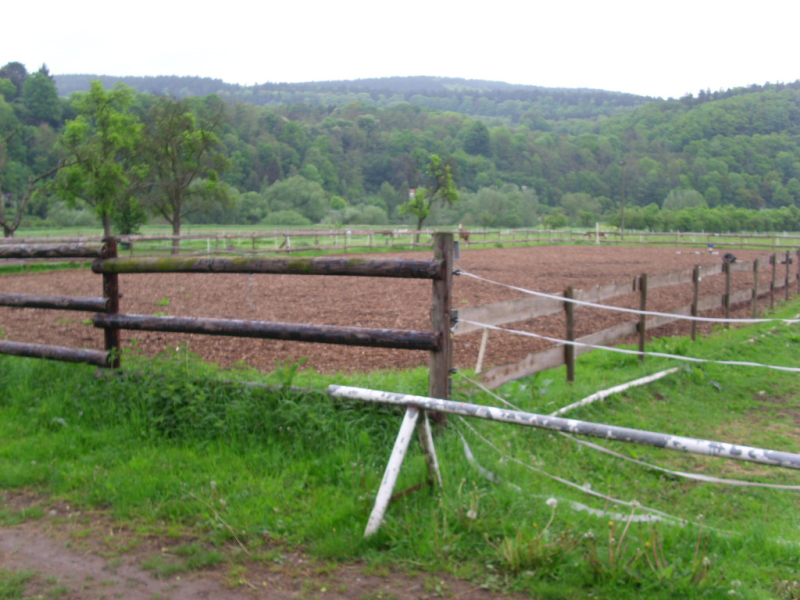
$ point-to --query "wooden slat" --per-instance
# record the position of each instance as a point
(23, 251)
(62, 353)
(53, 302)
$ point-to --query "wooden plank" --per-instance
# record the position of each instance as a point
(510, 311)
(533, 363)
(61, 353)
(54, 302)
(669, 279)
(323, 334)
(24, 251)
(353, 267)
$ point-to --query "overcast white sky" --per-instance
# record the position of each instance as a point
(662, 49)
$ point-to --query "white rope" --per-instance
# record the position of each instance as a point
(632, 311)
(735, 363)
(583, 488)
(604, 394)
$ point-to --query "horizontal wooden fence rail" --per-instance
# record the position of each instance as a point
(23, 251)
(411, 269)
(54, 302)
(97, 358)
(322, 334)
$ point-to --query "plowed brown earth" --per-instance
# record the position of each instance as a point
(364, 302)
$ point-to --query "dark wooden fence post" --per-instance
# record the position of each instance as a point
(772, 262)
(569, 349)
(441, 361)
(642, 326)
(754, 309)
(787, 259)
(695, 298)
(111, 293)
(726, 300)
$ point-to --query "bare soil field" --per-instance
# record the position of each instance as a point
(364, 302)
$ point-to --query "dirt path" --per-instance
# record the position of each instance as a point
(75, 556)
(381, 303)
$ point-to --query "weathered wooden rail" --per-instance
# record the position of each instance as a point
(531, 307)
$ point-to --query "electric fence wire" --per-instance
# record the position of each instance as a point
(632, 311)
(734, 363)
(604, 450)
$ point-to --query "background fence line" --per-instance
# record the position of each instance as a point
(502, 313)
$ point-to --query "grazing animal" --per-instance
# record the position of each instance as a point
(729, 258)
(590, 234)
(463, 234)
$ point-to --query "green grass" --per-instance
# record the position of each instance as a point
(176, 442)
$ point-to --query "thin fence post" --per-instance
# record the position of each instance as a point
(726, 268)
(482, 350)
(754, 310)
(787, 275)
(772, 262)
(569, 349)
(642, 326)
(695, 298)
(111, 293)
(798, 271)
(441, 360)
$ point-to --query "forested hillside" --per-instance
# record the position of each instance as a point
(348, 152)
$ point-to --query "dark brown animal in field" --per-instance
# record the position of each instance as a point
(590, 234)
(463, 234)
(729, 258)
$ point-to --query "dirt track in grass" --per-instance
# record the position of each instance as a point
(365, 302)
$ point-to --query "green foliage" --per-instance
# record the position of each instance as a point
(442, 188)
(100, 143)
(40, 97)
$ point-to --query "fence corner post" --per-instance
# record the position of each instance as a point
(695, 298)
(111, 293)
(441, 360)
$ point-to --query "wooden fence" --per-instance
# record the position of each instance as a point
(531, 307)
(107, 263)
(344, 240)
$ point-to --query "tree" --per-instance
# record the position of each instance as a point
(442, 188)
(185, 165)
(100, 144)
(40, 96)
(17, 74)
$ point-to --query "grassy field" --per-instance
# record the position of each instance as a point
(177, 445)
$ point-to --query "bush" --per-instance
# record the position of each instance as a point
(286, 217)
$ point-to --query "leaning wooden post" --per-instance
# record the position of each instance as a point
(754, 309)
(441, 360)
(787, 275)
(111, 293)
(772, 262)
(695, 298)
(569, 349)
(642, 326)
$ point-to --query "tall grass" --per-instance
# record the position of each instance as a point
(175, 443)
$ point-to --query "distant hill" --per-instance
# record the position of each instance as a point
(510, 102)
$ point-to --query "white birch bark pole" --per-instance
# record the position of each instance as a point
(666, 441)
(429, 451)
(392, 471)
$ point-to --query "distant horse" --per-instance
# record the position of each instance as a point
(463, 234)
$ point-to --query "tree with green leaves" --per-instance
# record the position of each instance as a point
(442, 188)
(100, 144)
(40, 96)
(181, 147)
